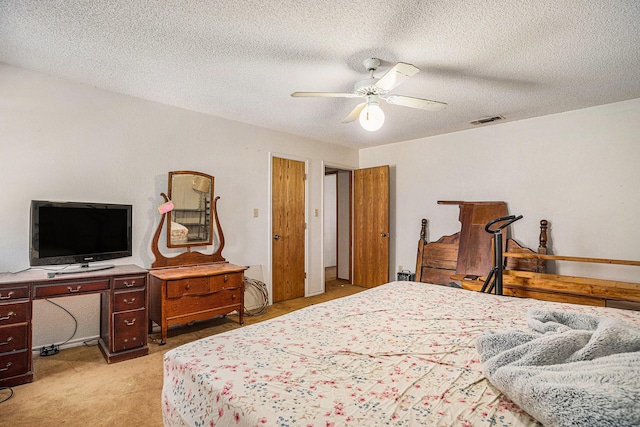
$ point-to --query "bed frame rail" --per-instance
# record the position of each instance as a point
(573, 289)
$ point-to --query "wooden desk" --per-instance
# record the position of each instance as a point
(179, 295)
(123, 314)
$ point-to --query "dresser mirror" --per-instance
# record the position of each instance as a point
(189, 223)
(191, 216)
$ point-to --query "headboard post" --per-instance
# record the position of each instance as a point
(543, 233)
(542, 247)
(423, 230)
(421, 242)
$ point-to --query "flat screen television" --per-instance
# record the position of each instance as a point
(78, 233)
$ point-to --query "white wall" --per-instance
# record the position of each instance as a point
(579, 169)
(61, 140)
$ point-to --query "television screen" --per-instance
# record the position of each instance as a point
(76, 232)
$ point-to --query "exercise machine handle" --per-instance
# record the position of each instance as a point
(508, 220)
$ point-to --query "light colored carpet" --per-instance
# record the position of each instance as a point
(77, 387)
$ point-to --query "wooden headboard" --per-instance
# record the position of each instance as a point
(438, 261)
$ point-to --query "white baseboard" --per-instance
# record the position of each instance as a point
(71, 343)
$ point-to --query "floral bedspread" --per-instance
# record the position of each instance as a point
(402, 354)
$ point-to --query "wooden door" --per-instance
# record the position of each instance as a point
(371, 226)
(288, 229)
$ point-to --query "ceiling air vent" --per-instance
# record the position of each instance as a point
(487, 120)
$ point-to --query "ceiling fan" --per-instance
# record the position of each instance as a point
(373, 90)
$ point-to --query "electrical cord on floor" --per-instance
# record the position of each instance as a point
(89, 341)
(10, 394)
(54, 349)
(256, 287)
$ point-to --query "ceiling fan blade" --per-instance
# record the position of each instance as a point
(398, 74)
(325, 94)
(353, 115)
(408, 101)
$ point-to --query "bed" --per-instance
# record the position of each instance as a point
(400, 354)
(410, 354)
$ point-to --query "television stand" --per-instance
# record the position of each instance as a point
(84, 268)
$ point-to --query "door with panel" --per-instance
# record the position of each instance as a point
(371, 226)
(288, 229)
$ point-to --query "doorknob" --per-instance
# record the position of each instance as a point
(384, 235)
(276, 237)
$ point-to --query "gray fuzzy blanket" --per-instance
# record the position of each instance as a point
(572, 369)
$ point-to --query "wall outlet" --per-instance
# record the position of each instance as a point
(400, 268)
(255, 213)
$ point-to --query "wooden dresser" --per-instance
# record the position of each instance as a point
(123, 316)
(179, 295)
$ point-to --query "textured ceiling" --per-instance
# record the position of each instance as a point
(241, 59)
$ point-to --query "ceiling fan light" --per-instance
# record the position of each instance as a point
(371, 117)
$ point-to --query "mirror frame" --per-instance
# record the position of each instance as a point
(209, 238)
(189, 258)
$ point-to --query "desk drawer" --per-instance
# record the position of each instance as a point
(124, 301)
(13, 364)
(14, 313)
(203, 303)
(191, 286)
(128, 282)
(14, 337)
(14, 293)
(225, 281)
(129, 330)
(70, 288)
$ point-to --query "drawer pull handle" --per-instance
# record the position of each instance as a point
(226, 278)
(9, 295)
(129, 323)
(128, 285)
(126, 301)
(7, 366)
(7, 341)
(74, 290)
(187, 287)
(8, 316)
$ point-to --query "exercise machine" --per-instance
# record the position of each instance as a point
(494, 278)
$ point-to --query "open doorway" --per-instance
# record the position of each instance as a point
(337, 226)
